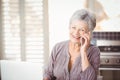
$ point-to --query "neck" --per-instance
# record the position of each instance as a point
(75, 46)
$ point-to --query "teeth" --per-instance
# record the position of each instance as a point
(77, 37)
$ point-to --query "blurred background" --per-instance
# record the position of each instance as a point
(30, 28)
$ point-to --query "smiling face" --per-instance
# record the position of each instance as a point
(76, 30)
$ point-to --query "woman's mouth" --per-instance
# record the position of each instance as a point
(76, 37)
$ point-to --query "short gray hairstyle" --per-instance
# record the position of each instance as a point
(86, 16)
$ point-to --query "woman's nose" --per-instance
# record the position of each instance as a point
(77, 32)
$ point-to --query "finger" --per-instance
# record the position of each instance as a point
(87, 35)
(84, 40)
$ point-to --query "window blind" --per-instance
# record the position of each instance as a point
(24, 25)
(34, 30)
(11, 29)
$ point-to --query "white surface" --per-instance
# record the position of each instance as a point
(15, 70)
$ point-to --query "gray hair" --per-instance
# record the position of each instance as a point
(86, 16)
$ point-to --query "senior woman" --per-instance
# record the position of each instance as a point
(75, 59)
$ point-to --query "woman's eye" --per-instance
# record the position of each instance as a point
(83, 30)
(73, 27)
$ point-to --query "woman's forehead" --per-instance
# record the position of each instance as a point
(79, 24)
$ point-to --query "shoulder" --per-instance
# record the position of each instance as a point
(61, 45)
(94, 47)
(94, 50)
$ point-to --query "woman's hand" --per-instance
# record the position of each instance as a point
(85, 42)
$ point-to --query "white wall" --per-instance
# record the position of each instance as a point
(60, 12)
